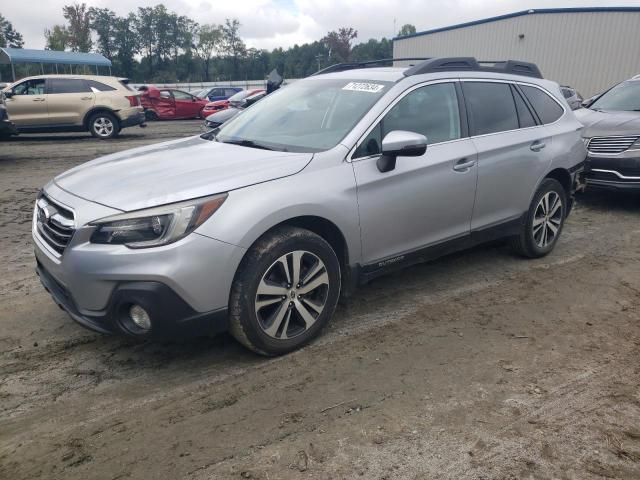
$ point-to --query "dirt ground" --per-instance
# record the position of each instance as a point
(478, 366)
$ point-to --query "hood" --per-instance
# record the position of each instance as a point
(224, 115)
(175, 171)
(605, 123)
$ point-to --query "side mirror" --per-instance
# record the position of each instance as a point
(8, 94)
(400, 143)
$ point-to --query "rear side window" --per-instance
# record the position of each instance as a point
(229, 91)
(99, 86)
(491, 107)
(68, 85)
(546, 107)
(525, 117)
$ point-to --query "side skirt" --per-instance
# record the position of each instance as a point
(366, 273)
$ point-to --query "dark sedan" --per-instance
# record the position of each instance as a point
(612, 137)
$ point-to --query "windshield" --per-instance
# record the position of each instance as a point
(307, 116)
(624, 96)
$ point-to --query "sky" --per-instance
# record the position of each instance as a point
(267, 24)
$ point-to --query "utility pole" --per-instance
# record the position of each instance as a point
(395, 32)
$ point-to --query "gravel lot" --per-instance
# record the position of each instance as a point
(478, 366)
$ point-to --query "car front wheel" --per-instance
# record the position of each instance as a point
(544, 221)
(285, 291)
(104, 125)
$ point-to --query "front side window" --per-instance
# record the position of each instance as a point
(491, 107)
(623, 97)
(431, 111)
(67, 85)
(179, 95)
(309, 115)
(229, 91)
(30, 87)
(547, 108)
(165, 94)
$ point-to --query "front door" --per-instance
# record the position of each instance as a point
(424, 200)
(186, 104)
(27, 105)
(68, 100)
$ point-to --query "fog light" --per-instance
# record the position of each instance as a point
(140, 317)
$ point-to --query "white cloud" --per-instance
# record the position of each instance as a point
(283, 23)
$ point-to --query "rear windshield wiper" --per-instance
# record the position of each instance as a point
(247, 143)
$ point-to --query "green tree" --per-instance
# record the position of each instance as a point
(125, 42)
(79, 27)
(208, 42)
(146, 34)
(233, 46)
(339, 43)
(103, 22)
(373, 50)
(407, 29)
(57, 38)
(8, 36)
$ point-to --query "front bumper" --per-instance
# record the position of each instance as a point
(7, 127)
(185, 284)
(621, 173)
(171, 316)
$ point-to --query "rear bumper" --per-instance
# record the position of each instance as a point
(137, 118)
(170, 315)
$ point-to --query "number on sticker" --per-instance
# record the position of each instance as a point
(363, 87)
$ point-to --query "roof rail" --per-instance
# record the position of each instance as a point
(447, 64)
(340, 67)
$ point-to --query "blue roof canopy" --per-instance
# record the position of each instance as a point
(25, 55)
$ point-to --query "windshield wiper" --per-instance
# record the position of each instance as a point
(247, 143)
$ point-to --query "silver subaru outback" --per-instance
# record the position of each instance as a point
(257, 227)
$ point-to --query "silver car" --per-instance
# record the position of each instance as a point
(258, 227)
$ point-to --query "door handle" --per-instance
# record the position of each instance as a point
(38, 99)
(463, 165)
(537, 146)
(85, 98)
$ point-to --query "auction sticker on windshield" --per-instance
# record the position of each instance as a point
(363, 87)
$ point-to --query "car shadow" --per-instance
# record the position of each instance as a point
(602, 200)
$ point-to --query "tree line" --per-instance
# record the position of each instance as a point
(154, 44)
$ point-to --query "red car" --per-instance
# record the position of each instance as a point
(170, 104)
(213, 107)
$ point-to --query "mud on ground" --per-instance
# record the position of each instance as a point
(478, 366)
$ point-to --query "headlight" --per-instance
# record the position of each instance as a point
(156, 226)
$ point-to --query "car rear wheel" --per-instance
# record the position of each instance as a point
(104, 125)
(285, 291)
(544, 221)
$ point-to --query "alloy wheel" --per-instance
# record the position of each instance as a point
(291, 294)
(547, 219)
(103, 126)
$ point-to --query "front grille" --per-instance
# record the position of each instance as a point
(55, 224)
(610, 145)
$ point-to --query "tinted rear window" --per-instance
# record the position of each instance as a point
(68, 85)
(99, 86)
(524, 114)
(491, 107)
(546, 107)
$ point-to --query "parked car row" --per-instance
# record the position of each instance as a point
(258, 226)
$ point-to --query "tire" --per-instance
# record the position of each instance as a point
(151, 116)
(104, 125)
(532, 241)
(284, 318)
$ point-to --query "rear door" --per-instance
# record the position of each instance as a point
(187, 105)
(165, 105)
(68, 99)
(513, 151)
(27, 106)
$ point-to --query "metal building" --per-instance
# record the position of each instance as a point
(587, 48)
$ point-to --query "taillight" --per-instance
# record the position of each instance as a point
(134, 100)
